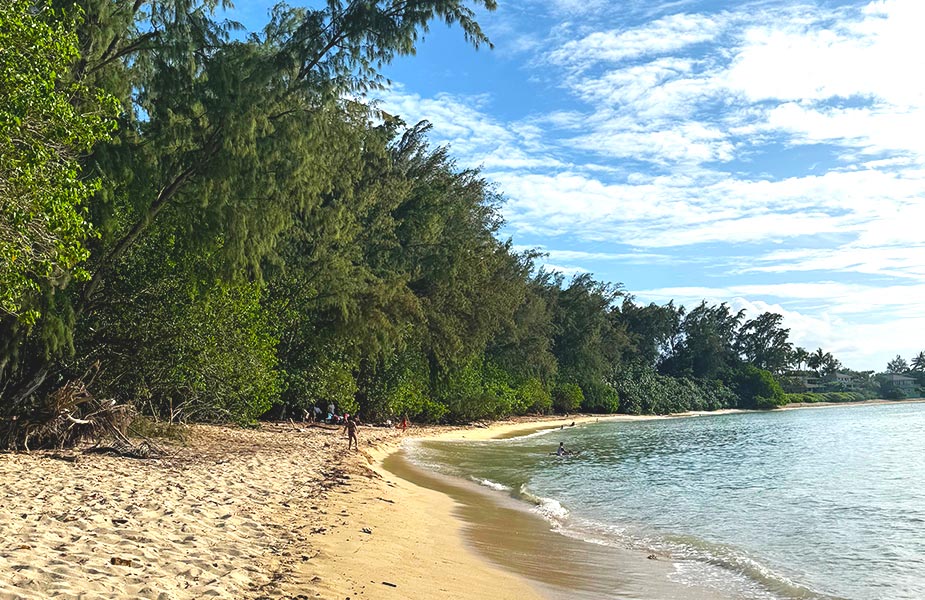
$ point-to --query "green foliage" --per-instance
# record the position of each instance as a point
(823, 363)
(898, 365)
(257, 239)
(204, 350)
(653, 331)
(763, 343)
(599, 397)
(142, 426)
(643, 391)
(757, 388)
(812, 397)
(46, 122)
(706, 348)
(567, 398)
(532, 397)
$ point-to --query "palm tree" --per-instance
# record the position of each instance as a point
(918, 363)
(816, 360)
(799, 357)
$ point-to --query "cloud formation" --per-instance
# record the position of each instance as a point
(792, 135)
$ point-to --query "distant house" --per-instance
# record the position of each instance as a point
(847, 380)
(800, 381)
(900, 381)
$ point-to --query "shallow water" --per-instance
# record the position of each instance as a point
(816, 503)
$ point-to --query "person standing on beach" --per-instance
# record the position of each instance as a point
(350, 428)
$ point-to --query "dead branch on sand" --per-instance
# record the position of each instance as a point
(71, 415)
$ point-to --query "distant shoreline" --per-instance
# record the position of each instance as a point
(875, 401)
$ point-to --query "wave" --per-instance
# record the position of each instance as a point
(696, 561)
(549, 508)
(699, 555)
(491, 484)
(537, 433)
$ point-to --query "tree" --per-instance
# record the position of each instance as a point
(799, 358)
(588, 342)
(918, 363)
(707, 348)
(757, 388)
(816, 359)
(567, 398)
(898, 365)
(763, 343)
(231, 136)
(46, 122)
(653, 330)
(224, 142)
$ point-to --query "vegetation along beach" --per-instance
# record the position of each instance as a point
(461, 299)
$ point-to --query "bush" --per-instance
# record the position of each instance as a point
(567, 398)
(151, 428)
(754, 384)
(600, 397)
(643, 391)
(762, 403)
(532, 397)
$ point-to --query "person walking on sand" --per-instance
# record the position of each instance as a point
(404, 423)
(350, 428)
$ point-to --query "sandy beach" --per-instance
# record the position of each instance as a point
(277, 512)
(281, 511)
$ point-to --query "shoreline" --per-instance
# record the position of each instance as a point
(279, 512)
(653, 580)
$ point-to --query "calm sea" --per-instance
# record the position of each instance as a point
(815, 503)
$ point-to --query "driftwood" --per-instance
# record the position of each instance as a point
(70, 416)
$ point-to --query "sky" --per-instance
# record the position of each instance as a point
(767, 154)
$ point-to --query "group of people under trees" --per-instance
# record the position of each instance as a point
(350, 422)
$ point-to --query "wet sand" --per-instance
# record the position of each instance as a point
(508, 534)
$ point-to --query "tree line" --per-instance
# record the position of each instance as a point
(209, 221)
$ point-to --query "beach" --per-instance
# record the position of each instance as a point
(282, 511)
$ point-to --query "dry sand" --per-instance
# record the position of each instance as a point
(279, 512)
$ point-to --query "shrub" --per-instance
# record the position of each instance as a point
(600, 397)
(532, 397)
(753, 384)
(567, 398)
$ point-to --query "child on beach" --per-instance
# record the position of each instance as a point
(350, 428)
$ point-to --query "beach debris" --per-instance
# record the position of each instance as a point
(70, 415)
(122, 562)
(652, 557)
(367, 530)
(385, 499)
(389, 584)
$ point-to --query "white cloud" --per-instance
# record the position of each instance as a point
(894, 261)
(872, 55)
(664, 35)
(670, 136)
(476, 138)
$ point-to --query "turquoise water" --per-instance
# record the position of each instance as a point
(816, 503)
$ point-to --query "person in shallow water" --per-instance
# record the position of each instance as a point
(561, 451)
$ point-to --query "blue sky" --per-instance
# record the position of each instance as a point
(768, 154)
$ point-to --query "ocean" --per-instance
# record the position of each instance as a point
(819, 503)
